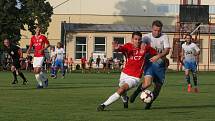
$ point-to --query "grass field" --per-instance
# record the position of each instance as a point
(76, 97)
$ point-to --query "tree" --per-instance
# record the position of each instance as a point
(15, 14)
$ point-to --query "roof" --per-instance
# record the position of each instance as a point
(82, 27)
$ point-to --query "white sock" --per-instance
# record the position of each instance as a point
(37, 76)
(42, 76)
(112, 99)
(124, 97)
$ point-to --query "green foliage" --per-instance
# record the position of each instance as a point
(13, 17)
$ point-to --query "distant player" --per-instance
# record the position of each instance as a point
(59, 59)
(190, 51)
(40, 44)
(155, 69)
(16, 54)
(133, 70)
(52, 59)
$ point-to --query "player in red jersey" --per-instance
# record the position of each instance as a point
(134, 52)
(40, 43)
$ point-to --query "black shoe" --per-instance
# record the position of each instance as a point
(101, 107)
(126, 103)
(148, 106)
(25, 82)
(39, 87)
(133, 96)
(14, 82)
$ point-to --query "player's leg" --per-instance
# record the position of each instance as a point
(187, 75)
(62, 69)
(194, 74)
(22, 76)
(142, 86)
(155, 92)
(148, 74)
(13, 70)
(37, 64)
(114, 97)
(18, 72)
(125, 84)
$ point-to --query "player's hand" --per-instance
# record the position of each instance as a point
(154, 58)
(41, 51)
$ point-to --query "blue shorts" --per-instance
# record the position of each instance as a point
(59, 63)
(190, 65)
(156, 70)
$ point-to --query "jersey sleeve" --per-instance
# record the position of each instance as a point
(124, 48)
(166, 42)
(45, 40)
(151, 50)
(196, 48)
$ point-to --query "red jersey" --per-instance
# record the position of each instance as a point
(135, 59)
(39, 43)
(83, 60)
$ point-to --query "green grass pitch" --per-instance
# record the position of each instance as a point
(76, 97)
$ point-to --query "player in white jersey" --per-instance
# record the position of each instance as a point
(155, 68)
(52, 59)
(189, 54)
(59, 59)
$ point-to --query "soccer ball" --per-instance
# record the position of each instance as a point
(146, 96)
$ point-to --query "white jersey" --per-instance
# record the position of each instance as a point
(190, 51)
(159, 43)
(52, 54)
(59, 53)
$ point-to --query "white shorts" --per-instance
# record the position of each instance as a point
(130, 80)
(38, 61)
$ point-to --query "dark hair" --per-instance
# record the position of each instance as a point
(189, 36)
(157, 23)
(136, 33)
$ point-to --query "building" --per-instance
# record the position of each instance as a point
(88, 27)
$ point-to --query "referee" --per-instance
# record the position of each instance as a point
(16, 54)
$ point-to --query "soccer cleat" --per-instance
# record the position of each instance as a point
(196, 90)
(25, 82)
(14, 82)
(189, 88)
(126, 103)
(46, 83)
(148, 106)
(101, 107)
(39, 87)
(133, 96)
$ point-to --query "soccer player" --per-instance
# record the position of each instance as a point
(189, 54)
(154, 70)
(16, 54)
(40, 43)
(52, 59)
(133, 70)
(59, 60)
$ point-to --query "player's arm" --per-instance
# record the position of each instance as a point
(197, 51)
(30, 47)
(182, 55)
(20, 54)
(160, 55)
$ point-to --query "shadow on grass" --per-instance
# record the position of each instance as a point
(62, 87)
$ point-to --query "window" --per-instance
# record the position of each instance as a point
(80, 48)
(212, 51)
(118, 55)
(99, 44)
